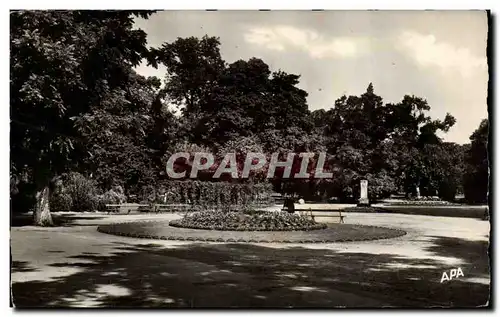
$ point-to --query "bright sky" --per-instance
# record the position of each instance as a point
(437, 55)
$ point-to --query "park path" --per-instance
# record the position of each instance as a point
(75, 265)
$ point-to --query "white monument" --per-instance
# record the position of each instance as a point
(363, 199)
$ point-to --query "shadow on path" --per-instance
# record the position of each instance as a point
(21, 267)
(60, 220)
(244, 275)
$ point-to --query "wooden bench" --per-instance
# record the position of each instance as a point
(319, 213)
(115, 208)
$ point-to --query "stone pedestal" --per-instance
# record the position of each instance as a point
(363, 199)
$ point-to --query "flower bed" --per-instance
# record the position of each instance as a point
(333, 233)
(432, 202)
(247, 221)
(363, 209)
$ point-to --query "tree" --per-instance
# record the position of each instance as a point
(193, 67)
(123, 138)
(226, 105)
(357, 135)
(411, 130)
(165, 130)
(443, 168)
(65, 67)
(224, 102)
(476, 179)
(383, 143)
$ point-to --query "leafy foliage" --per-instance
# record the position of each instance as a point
(476, 179)
(71, 83)
(77, 105)
(83, 192)
(61, 202)
(217, 195)
(113, 196)
(379, 142)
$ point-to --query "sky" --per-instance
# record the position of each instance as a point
(436, 55)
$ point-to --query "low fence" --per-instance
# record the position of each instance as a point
(174, 208)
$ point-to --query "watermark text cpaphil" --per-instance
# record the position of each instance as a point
(252, 162)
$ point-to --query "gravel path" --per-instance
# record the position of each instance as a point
(75, 265)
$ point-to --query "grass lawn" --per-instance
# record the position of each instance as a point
(439, 211)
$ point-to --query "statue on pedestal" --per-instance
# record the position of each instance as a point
(363, 199)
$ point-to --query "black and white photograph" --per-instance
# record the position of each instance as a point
(250, 159)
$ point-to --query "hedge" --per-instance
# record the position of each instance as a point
(220, 195)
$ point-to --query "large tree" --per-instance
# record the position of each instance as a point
(383, 143)
(223, 102)
(66, 66)
(193, 68)
(476, 179)
(443, 167)
(357, 135)
(411, 130)
(120, 136)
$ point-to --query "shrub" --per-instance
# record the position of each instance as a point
(101, 203)
(83, 192)
(148, 194)
(113, 197)
(448, 190)
(239, 221)
(217, 195)
(61, 202)
(476, 188)
(380, 186)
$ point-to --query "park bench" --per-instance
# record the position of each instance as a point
(115, 208)
(324, 213)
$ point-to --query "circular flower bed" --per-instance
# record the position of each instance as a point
(247, 221)
(335, 232)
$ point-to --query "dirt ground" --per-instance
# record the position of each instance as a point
(74, 265)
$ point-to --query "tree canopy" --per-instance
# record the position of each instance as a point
(78, 105)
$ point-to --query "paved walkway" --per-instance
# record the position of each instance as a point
(75, 265)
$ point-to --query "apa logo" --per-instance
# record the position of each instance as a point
(453, 273)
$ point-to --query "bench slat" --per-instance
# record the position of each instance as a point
(325, 213)
(319, 213)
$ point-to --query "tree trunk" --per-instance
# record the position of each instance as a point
(41, 213)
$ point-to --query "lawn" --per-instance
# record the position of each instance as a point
(333, 233)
